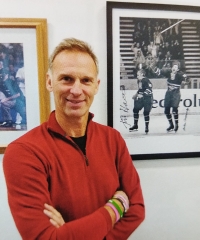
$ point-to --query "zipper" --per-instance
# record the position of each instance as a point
(84, 155)
(86, 160)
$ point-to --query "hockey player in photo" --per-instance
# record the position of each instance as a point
(143, 99)
(175, 78)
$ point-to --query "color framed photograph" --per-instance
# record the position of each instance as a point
(153, 78)
(24, 100)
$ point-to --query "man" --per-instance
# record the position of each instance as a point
(14, 98)
(158, 39)
(152, 48)
(173, 95)
(139, 60)
(20, 78)
(150, 66)
(4, 56)
(75, 177)
(142, 99)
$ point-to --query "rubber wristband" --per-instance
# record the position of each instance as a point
(117, 207)
(115, 211)
(124, 201)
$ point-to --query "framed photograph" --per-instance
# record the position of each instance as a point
(24, 100)
(153, 78)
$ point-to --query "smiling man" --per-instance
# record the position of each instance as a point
(73, 80)
(73, 178)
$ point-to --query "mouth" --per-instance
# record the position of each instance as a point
(74, 101)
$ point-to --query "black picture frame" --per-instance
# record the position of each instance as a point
(188, 142)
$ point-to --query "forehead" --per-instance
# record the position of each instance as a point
(175, 65)
(73, 60)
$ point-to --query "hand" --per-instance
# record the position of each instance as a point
(3, 100)
(55, 217)
(139, 95)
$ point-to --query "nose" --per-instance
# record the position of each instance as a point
(76, 88)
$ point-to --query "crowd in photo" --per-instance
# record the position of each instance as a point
(156, 43)
(12, 85)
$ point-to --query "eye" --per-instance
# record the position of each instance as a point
(86, 80)
(67, 79)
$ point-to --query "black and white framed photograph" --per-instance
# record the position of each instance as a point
(24, 100)
(153, 69)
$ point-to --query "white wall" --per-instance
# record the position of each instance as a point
(171, 186)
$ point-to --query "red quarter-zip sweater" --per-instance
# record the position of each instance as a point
(46, 166)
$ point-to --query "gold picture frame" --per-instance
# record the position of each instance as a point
(40, 27)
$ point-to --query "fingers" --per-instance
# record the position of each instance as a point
(54, 216)
(54, 223)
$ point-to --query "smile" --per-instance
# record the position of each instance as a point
(75, 101)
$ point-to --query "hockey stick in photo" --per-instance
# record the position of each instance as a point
(186, 113)
(172, 26)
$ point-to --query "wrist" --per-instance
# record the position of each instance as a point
(111, 213)
(123, 201)
(118, 206)
(115, 209)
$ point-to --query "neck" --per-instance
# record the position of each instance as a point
(73, 127)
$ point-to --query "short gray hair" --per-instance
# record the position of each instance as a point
(72, 45)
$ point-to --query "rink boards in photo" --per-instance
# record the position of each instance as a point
(158, 140)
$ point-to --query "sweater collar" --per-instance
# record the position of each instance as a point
(53, 125)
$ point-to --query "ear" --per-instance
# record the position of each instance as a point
(49, 82)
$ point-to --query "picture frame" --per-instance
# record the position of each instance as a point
(122, 20)
(31, 33)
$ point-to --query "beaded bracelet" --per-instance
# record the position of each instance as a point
(123, 201)
(117, 207)
(115, 211)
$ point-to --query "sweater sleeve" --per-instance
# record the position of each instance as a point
(27, 184)
(130, 184)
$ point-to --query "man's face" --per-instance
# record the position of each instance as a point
(74, 83)
(175, 68)
(139, 75)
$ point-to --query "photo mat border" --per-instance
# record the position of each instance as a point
(110, 6)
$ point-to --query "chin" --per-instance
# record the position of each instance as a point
(76, 114)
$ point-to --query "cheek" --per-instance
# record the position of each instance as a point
(92, 93)
(95, 91)
(59, 88)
